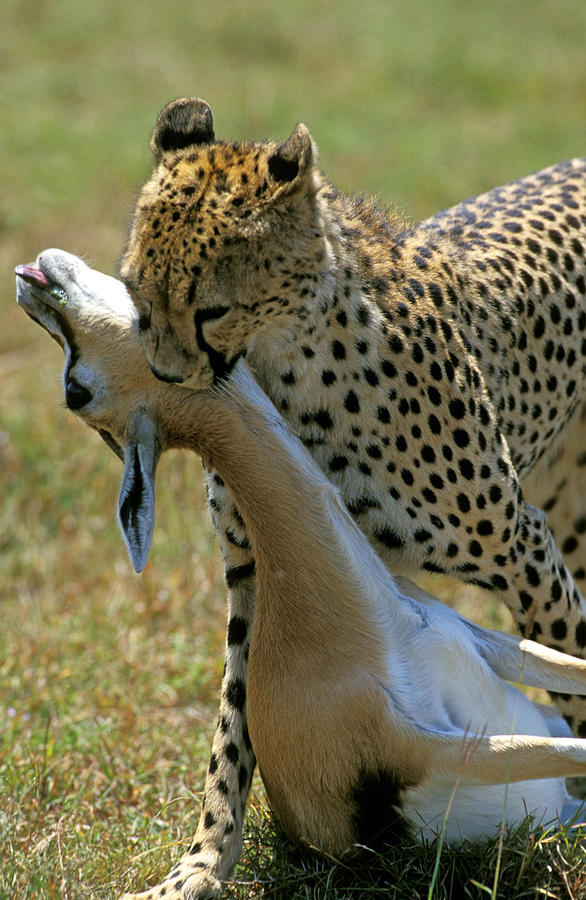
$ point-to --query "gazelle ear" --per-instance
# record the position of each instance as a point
(136, 505)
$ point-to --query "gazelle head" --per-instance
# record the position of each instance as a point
(107, 381)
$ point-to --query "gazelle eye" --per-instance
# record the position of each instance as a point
(76, 396)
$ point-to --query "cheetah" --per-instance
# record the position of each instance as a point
(434, 371)
(313, 693)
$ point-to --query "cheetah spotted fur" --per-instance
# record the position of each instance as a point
(435, 372)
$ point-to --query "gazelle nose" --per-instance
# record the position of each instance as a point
(170, 379)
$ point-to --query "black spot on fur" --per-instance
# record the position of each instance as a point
(243, 778)
(236, 694)
(234, 574)
(237, 630)
(351, 402)
(389, 538)
(232, 753)
(377, 818)
(581, 633)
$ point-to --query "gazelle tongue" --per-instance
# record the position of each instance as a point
(33, 275)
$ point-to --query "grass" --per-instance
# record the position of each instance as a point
(549, 865)
(108, 681)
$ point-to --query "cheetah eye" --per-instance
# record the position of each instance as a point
(144, 318)
(76, 395)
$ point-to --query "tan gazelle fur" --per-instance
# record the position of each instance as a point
(367, 699)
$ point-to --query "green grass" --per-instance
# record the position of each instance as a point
(536, 866)
(109, 681)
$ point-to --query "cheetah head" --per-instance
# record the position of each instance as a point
(215, 232)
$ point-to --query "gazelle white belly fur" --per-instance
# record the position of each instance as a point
(473, 700)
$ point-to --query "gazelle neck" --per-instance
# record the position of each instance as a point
(316, 573)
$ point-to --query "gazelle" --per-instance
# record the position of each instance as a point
(367, 700)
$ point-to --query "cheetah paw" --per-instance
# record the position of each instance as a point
(196, 886)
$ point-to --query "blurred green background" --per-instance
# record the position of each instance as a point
(108, 681)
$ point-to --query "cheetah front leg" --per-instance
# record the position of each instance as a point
(558, 486)
(542, 596)
(217, 843)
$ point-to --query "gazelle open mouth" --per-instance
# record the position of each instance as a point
(35, 277)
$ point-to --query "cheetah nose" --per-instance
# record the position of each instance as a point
(170, 379)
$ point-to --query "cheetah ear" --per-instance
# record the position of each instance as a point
(292, 163)
(136, 504)
(182, 123)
